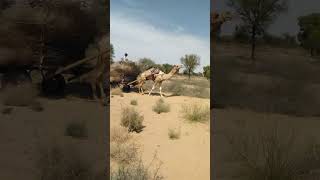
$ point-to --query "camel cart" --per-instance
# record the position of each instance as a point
(53, 77)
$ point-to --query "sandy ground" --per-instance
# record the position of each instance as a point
(23, 130)
(228, 121)
(186, 158)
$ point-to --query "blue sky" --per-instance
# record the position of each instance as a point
(161, 30)
(284, 23)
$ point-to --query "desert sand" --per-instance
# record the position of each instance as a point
(186, 158)
(24, 130)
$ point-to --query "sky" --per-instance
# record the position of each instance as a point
(162, 30)
(285, 23)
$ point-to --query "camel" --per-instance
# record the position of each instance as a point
(145, 76)
(217, 20)
(159, 78)
(96, 77)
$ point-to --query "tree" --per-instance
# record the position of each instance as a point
(190, 62)
(308, 35)
(256, 15)
(206, 71)
(166, 67)
(111, 53)
(146, 63)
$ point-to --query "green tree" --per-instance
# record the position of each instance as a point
(206, 71)
(308, 35)
(166, 67)
(146, 63)
(256, 15)
(111, 53)
(190, 62)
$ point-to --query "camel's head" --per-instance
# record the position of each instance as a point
(177, 67)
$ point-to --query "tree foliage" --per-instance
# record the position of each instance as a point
(190, 62)
(256, 15)
(166, 67)
(146, 63)
(309, 34)
(206, 71)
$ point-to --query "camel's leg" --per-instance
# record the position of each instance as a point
(94, 91)
(160, 88)
(103, 95)
(154, 85)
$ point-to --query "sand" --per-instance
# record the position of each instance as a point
(186, 158)
(23, 130)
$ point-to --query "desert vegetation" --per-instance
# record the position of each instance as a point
(126, 162)
(265, 96)
(132, 119)
(161, 107)
(195, 112)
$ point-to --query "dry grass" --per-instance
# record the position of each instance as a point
(123, 148)
(272, 154)
(182, 86)
(57, 162)
(161, 106)
(127, 163)
(195, 113)
(132, 120)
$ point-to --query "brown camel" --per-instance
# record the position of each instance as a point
(98, 76)
(159, 78)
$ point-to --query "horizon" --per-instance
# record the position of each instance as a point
(163, 31)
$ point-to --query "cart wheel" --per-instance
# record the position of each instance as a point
(54, 85)
(126, 88)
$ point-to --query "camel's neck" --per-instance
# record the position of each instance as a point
(170, 74)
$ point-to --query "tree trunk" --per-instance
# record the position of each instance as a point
(253, 43)
(189, 73)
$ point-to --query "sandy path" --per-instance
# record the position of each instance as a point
(187, 158)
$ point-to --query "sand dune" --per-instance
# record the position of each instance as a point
(186, 158)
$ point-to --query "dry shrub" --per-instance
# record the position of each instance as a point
(272, 155)
(138, 171)
(134, 102)
(175, 87)
(132, 120)
(123, 148)
(195, 113)
(77, 130)
(63, 163)
(161, 106)
(174, 134)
